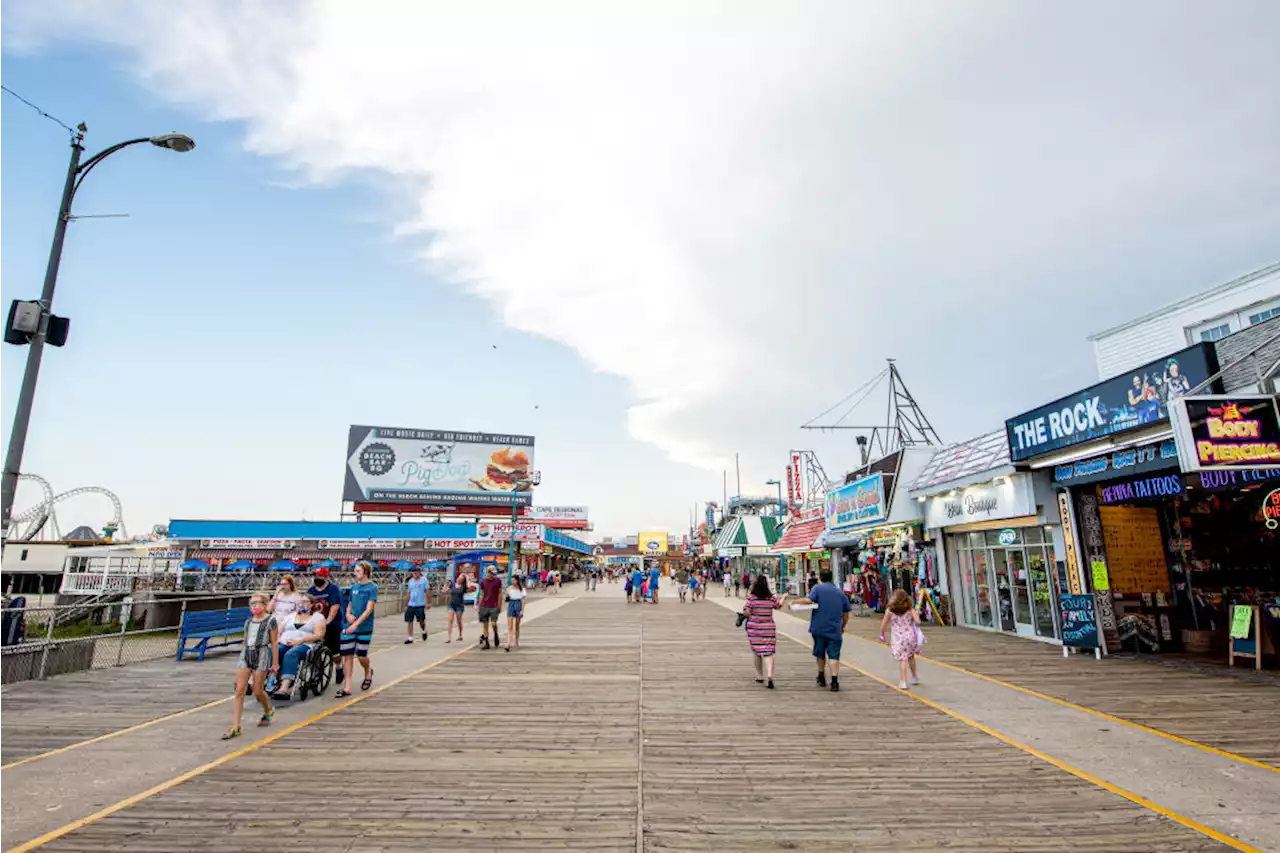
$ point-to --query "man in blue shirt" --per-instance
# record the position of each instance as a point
(637, 581)
(326, 591)
(826, 625)
(416, 609)
(654, 574)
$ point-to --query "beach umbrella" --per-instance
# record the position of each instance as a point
(191, 565)
(402, 565)
(326, 564)
(283, 566)
(241, 565)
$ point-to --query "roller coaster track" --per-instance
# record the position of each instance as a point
(44, 514)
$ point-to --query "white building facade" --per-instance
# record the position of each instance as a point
(1208, 316)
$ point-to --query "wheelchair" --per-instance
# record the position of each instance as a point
(315, 673)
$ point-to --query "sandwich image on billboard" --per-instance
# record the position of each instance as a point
(401, 465)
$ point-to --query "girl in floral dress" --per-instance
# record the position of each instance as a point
(902, 620)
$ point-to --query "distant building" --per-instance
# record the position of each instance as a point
(1210, 316)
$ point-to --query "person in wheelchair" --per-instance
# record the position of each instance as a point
(299, 635)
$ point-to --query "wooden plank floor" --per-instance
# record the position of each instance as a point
(1240, 715)
(43, 715)
(626, 728)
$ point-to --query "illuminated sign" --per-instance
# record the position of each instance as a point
(1008, 537)
(1220, 433)
(859, 502)
(1142, 489)
(1271, 510)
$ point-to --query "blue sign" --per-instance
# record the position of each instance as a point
(1135, 398)
(860, 502)
(1008, 537)
(1079, 620)
(1121, 463)
(1142, 489)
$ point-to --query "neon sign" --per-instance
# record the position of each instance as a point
(1271, 510)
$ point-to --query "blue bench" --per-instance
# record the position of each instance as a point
(206, 625)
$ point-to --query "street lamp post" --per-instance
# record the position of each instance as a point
(76, 173)
(535, 477)
(782, 560)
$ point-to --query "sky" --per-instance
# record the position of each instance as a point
(652, 235)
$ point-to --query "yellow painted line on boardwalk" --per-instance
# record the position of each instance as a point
(1102, 714)
(1222, 838)
(137, 727)
(55, 834)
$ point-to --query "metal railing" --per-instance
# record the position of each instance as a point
(110, 631)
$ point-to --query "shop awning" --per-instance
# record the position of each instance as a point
(800, 537)
(743, 533)
(231, 554)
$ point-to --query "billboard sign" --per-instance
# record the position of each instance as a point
(652, 543)
(860, 502)
(263, 544)
(574, 517)
(444, 467)
(1227, 433)
(370, 544)
(500, 531)
(1136, 398)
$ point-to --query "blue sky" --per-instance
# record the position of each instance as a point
(226, 334)
(686, 230)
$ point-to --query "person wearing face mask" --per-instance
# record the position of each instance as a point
(300, 633)
(326, 599)
(357, 630)
(258, 656)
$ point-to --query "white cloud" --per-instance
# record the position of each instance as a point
(741, 209)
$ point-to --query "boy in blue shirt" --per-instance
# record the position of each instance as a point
(416, 609)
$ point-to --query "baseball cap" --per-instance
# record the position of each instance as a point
(322, 572)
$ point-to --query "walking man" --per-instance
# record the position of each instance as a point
(637, 581)
(325, 593)
(826, 625)
(416, 609)
(654, 574)
(488, 602)
(728, 582)
(682, 582)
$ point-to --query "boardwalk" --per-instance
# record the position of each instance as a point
(633, 728)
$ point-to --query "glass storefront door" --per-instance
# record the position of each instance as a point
(1017, 560)
(1005, 581)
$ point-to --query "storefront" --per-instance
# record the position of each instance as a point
(797, 546)
(1109, 452)
(875, 530)
(999, 549)
(744, 544)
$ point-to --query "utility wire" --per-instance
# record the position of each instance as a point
(866, 387)
(53, 119)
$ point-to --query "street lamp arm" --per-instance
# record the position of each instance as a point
(87, 166)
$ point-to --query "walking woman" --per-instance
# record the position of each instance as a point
(515, 612)
(457, 606)
(357, 633)
(258, 656)
(762, 633)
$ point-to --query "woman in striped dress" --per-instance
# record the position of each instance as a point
(762, 633)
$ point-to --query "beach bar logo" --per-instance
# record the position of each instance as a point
(859, 502)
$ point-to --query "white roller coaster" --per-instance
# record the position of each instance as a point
(41, 521)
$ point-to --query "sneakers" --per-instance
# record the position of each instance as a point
(408, 641)
(822, 679)
(902, 685)
(424, 636)
(913, 681)
(484, 641)
(835, 684)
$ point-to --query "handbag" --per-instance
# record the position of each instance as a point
(921, 639)
(742, 618)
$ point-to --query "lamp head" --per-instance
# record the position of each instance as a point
(179, 142)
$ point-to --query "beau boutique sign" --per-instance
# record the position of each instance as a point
(1009, 497)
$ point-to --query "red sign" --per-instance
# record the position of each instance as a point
(797, 482)
(1271, 510)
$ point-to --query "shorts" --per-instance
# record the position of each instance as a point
(457, 608)
(356, 644)
(259, 662)
(827, 647)
(489, 614)
(415, 613)
(333, 638)
(515, 609)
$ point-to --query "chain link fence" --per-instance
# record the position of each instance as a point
(114, 629)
